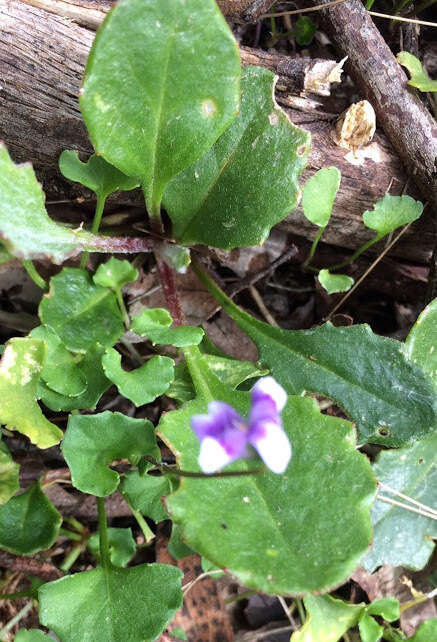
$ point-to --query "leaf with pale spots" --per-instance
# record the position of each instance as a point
(20, 370)
(249, 524)
(247, 182)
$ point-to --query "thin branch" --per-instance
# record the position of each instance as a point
(279, 14)
(387, 500)
(407, 498)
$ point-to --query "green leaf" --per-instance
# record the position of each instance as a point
(427, 632)
(28, 522)
(114, 274)
(319, 194)
(230, 372)
(370, 630)
(60, 371)
(32, 635)
(176, 546)
(25, 227)
(247, 182)
(335, 282)
(144, 493)
(419, 77)
(390, 399)
(90, 365)
(178, 634)
(163, 108)
(249, 524)
(142, 385)
(391, 212)
(82, 313)
(122, 546)
(20, 369)
(91, 442)
(327, 619)
(155, 325)
(113, 604)
(9, 472)
(96, 174)
(421, 343)
(386, 607)
(304, 31)
(402, 537)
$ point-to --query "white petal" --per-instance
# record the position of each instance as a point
(274, 448)
(271, 387)
(212, 456)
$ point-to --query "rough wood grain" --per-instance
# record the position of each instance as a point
(42, 58)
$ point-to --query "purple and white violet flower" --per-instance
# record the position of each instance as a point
(225, 436)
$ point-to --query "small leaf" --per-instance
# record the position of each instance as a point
(304, 31)
(402, 537)
(335, 282)
(247, 182)
(154, 324)
(20, 369)
(387, 608)
(419, 77)
(144, 493)
(391, 212)
(178, 634)
(32, 635)
(82, 313)
(427, 632)
(91, 442)
(177, 256)
(421, 343)
(142, 385)
(60, 371)
(96, 174)
(90, 365)
(9, 472)
(319, 194)
(122, 546)
(248, 525)
(370, 630)
(163, 107)
(113, 604)
(114, 274)
(328, 619)
(28, 522)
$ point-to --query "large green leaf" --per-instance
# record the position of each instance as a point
(402, 537)
(90, 365)
(327, 619)
(112, 604)
(276, 533)
(122, 546)
(421, 343)
(247, 182)
(319, 195)
(28, 522)
(391, 400)
(9, 471)
(142, 385)
(150, 100)
(145, 492)
(32, 635)
(82, 313)
(20, 369)
(92, 441)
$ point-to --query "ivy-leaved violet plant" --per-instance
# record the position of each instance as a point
(260, 482)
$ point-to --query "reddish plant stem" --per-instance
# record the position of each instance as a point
(167, 276)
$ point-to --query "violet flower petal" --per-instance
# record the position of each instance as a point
(272, 444)
(269, 387)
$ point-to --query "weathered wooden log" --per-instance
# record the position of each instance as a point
(42, 58)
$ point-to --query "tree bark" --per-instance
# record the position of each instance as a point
(42, 59)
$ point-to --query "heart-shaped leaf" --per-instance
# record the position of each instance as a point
(155, 325)
(122, 546)
(144, 493)
(28, 522)
(60, 371)
(163, 108)
(112, 604)
(327, 619)
(319, 194)
(82, 313)
(90, 366)
(20, 369)
(9, 471)
(335, 282)
(97, 174)
(142, 385)
(391, 400)
(250, 524)
(386, 607)
(419, 78)
(91, 442)
(114, 274)
(421, 343)
(247, 182)
(391, 212)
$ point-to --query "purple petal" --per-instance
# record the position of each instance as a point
(220, 417)
(267, 387)
(272, 445)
